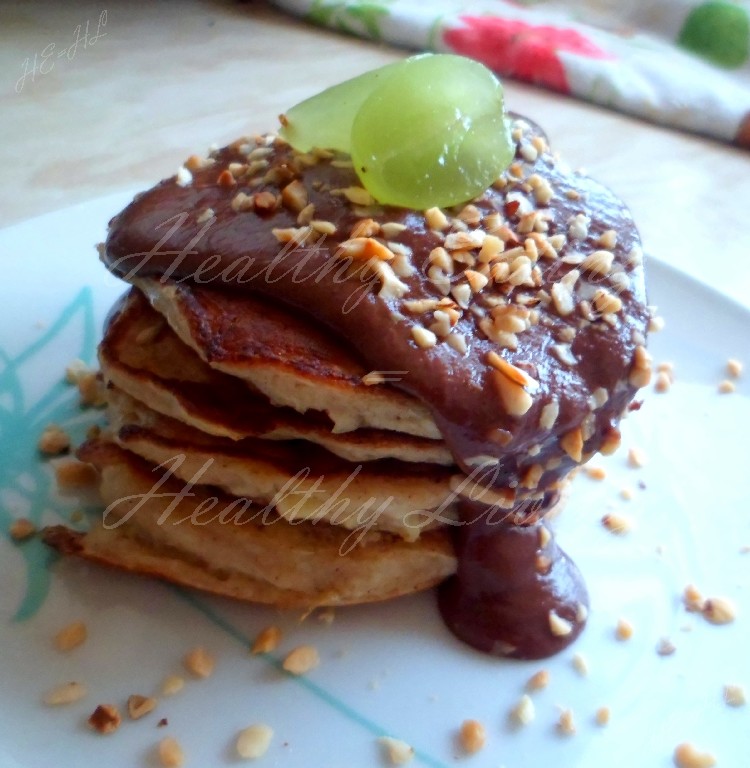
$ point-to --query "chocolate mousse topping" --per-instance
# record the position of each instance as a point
(519, 319)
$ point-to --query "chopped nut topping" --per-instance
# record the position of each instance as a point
(606, 302)
(459, 240)
(538, 681)
(602, 716)
(618, 524)
(392, 229)
(580, 665)
(71, 636)
(640, 372)
(726, 387)
(225, 179)
(582, 613)
(476, 280)
(512, 383)
(268, 640)
(242, 202)
(663, 382)
(572, 443)
(183, 177)
(324, 227)
(356, 195)
(693, 599)
(398, 751)
(562, 298)
(365, 228)
(608, 239)
(636, 458)
(54, 440)
(170, 753)
(596, 473)
(138, 706)
(559, 626)
(21, 529)
(734, 368)
(611, 442)
(91, 389)
(364, 249)
(719, 610)
(734, 696)
(199, 662)
(305, 216)
(566, 724)
(687, 756)
(253, 742)
(296, 235)
(436, 219)
(172, 684)
(105, 719)
(423, 337)
(472, 736)
(549, 414)
(301, 660)
(623, 630)
(71, 474)
(524, 712)
(205, 215)
(665, 647)
(67, 693)
(294, 196)
(76, 369)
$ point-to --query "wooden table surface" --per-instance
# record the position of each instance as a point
(155, 82)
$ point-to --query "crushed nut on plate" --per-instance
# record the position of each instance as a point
(734, 695)
(524, 712)
(719, 610)
(472, 736)
(687, 756)
(268, 640)
(138, 706)
(71, 636)
(170, 753)
(105, 719)
(538, 681)
(67, 693)
(301, 660)
(21, 529)
(199, 662)
(397, 751)
(254, 741)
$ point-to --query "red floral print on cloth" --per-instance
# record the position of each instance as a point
(525, 51)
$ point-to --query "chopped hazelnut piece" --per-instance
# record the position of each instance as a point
(726, 387)
(199, 662)
(355, 195)
(105, 719)
(623, 630)
(71, 636)
(301, 660)
(538, 681)
(472, 736)
(436, 219)
(665, 647)
(663, 382)
(424, 337)
(75, 369)
(693, 599)
(91, 389)
(636, 458)
(138, 706)
(566, 723)
(719, 610)
(67, 693)
(617, 523)
(294, 196)
(559, 626)
(687, 756)
(54, 440)
(268, 640)
(398, 751)
(71, 474)
(170, 753)
(253, 742)
(172, 684)
(580, 665)
(21, 529)
(524, 712)
(734, 695)
(572, 443)
(596, 473)
(602, 716)
(364, 249)
(734, 368)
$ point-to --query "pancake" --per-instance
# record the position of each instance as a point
(284, 356)
(142, 356)
(248, 553)
(301, 480)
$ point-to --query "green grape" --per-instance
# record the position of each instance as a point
(325, 120)
(433, 133)
(429, 130)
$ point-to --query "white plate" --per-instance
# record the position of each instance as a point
(393, 668)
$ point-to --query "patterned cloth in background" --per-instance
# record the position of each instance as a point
(681, 63)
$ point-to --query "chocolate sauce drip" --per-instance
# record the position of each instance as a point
(159, 235)
(515, 593)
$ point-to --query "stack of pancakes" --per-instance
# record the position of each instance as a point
(301, 479)
(251, 450)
